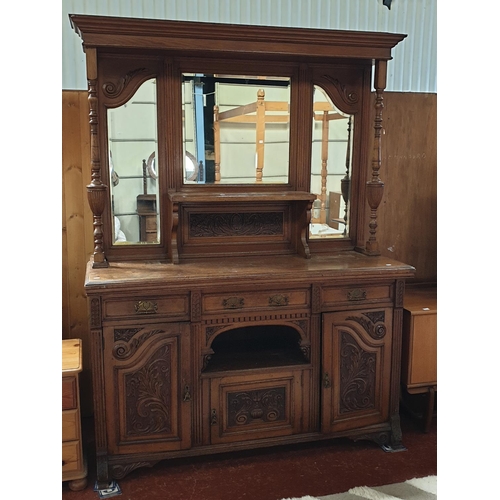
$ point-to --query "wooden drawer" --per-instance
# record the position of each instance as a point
(419, 357)
(255, 301)
(176, 306)
(69, 399)
(151, 223)
(71, 456)
(70, 427)
(335, 297)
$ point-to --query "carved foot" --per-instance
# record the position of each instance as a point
(119, 471)
(380, 438)
(78, 484)
(396, 434)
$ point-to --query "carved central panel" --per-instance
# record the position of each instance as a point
(265, 405)
(209, 225)
(148, 396)
(357, 376)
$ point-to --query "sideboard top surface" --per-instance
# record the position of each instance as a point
(421, 300)
(234, 270)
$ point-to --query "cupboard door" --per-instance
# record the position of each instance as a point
(260, 406)
(356, 368)
(147, 385)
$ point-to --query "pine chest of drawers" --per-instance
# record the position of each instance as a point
(74, 467)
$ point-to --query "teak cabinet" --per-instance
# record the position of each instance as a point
(419, 355)
(251, 318)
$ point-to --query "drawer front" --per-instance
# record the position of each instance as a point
(264, 300)
(70, 427)
(335, 297)
(69, 393)
(424, 350)
(151, 223)
(176, 306)
(71, 456)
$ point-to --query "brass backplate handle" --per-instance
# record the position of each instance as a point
(146, 307)
(278, 300)
(356, 294)
(187, 394)
(233, 303)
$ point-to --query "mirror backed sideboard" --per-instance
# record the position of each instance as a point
(237, 296)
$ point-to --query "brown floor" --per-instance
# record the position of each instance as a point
(314, 469)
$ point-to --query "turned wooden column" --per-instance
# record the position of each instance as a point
(260, 134)
(375, 187)
(345, 182)
(97, 191)
(217, 143)
(324, 165)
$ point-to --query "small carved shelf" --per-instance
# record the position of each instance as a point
(212, 224)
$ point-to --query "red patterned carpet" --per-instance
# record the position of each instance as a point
(315, 469)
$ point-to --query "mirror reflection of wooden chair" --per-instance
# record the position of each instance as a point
(256, 112)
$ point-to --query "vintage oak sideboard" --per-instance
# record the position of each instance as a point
(257, 314)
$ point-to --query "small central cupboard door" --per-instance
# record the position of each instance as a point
(147, 385)
(259, 406)
(357, 349)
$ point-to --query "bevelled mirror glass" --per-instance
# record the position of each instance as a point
(330, 168)
(235, 129)
(133, 172)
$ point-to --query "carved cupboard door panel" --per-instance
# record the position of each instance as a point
(147, 385)
(356, 368)
(260, 406)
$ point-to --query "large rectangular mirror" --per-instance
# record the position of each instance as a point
(235, 129)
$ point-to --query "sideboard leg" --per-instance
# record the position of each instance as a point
(395, 443)
(431, 393)
(103, 478)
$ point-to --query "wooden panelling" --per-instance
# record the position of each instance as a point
(77, 238)
(407, 216)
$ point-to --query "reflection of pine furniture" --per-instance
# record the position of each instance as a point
(236, 331)
(261, 112)
(250, 113)
(146, 210)
(419, 361)
(324, 113)
(74, 468)
(146, 206)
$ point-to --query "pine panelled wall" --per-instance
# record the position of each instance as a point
(406, 216)
(77, 237)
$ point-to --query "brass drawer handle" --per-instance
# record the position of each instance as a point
(146, 307)
(356, 294)
(233, 303)
(278, 300)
